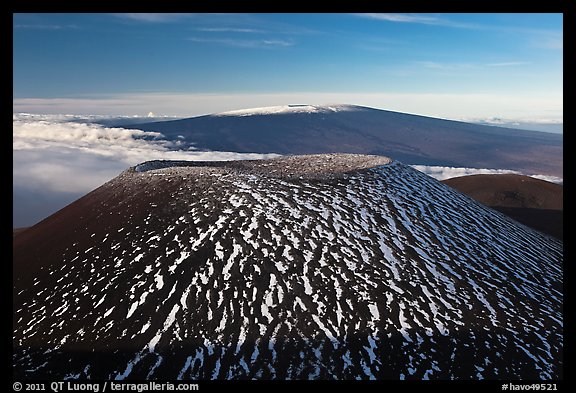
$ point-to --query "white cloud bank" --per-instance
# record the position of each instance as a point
(446, 172)
(447, 106)
(56, 158)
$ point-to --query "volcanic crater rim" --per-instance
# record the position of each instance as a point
(309, 166)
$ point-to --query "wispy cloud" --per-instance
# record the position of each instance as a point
(153, 17)
(435, 65)
(553, 40)
(45, 27)
(404, 18)
(419, 19)
(507, 64)
(277, 42)
(446, 66)
(241, 43)
(536, 37)
(229, 30)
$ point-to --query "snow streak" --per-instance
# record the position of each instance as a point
(382, 273)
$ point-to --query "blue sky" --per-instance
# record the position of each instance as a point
(446, 65)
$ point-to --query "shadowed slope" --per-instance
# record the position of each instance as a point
(533, 202)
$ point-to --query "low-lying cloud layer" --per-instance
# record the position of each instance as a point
(57, 159)
(446, 172)
(441, 105)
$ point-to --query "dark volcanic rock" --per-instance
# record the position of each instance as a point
(313, 267)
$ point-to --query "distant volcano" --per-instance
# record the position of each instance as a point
(412, 139)
(533, 202)
(303, 267)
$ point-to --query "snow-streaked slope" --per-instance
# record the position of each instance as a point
(329, 267)
(296, 108)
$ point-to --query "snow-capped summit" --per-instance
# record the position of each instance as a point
(303, 267)
(337, 128)
(294, 108)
